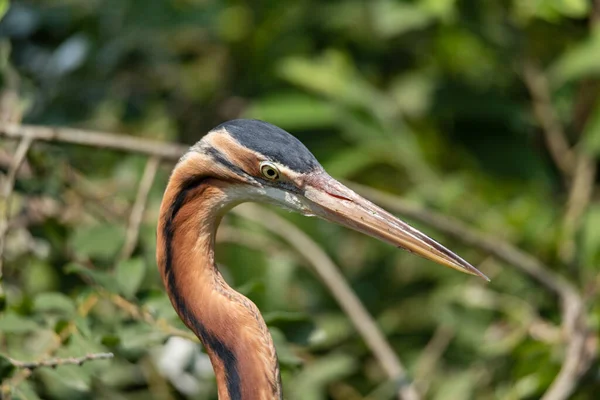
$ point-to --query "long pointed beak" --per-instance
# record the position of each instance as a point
(334, 202)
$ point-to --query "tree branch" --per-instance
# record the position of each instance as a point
(137, 211)
(555, 137)
(57, 362)
(130, 144)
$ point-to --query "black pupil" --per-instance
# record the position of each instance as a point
(270, 172)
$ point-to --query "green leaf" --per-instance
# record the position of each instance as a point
(298, 327)
(252, 288)
(293, 111)
(13, 323)
(54, 301)
(579, 62)
(591, 132)
(130, 274)
(66, 382)
(26, 391)
(552, 10)
(590, 255)
(135, 339)
(345, 163)
(331, 330)
(392, 18)
(6, 367)
(459, 386)
(285, 354)
(311, 383)
(4, 6)
(332, 75)
(98, 241)
(101, 278)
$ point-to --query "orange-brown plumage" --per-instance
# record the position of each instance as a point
(224, 313)
(225, 168)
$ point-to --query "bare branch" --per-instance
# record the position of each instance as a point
(578, 356)
(430, 356)
(137, 211)
(555, 137)
(131, 144)
(57, 362)
(340, 290)
(595, 16)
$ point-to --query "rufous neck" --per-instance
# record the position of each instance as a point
(228, 324)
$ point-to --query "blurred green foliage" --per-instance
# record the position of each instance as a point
(422, 98)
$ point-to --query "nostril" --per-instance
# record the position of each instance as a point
(339, 196)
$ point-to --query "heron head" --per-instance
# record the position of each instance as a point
(264, 163)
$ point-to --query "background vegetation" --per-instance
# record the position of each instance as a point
(478, 121)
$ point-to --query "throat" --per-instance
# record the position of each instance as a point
(228, 324)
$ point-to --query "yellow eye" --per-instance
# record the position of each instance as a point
(269, 170)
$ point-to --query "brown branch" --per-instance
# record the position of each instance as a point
(19, 158)
(335, 282)
(139, 206)
(595, 15)
(130, 144)
(555, 136)
(575, 325)
(430, 356)
(57, 362)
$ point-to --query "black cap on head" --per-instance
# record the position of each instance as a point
(273, 142)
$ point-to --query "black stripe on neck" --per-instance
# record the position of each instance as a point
(228, 358)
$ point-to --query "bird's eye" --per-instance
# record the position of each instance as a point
(269, 171)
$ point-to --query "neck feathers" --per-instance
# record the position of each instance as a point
(228, 324)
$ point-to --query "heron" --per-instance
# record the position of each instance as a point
(250, 160)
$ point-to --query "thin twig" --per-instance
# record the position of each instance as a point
(130, 144)
(555, 136)
(57, 362)
(595, 15)
(20, 154)
(137, 211)
(430, 356)
(341, 291)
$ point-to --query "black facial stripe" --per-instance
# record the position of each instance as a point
(210, 341)
(217, 156)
